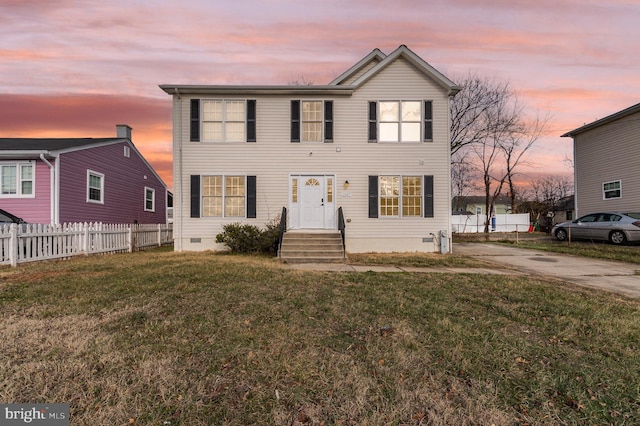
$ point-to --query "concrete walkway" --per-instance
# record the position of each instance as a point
(617, 277)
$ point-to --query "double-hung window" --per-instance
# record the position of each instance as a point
(400, 196)
(400, 121)
(16, 180)
(95, 187)
(612, 190)
(149, 199)
(223, 196)
(222, 120)
(311, 121)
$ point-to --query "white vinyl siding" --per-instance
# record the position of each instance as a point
(350, 158)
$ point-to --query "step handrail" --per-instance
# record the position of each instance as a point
(342, 227)
(283, 228)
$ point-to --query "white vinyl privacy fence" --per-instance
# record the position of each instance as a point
(499, 223)
(32, 242)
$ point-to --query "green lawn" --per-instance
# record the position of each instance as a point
(163, 338)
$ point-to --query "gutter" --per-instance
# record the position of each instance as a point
(178, 170)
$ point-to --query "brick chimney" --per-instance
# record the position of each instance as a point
(123, 131)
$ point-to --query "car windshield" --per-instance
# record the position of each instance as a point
(633, 215)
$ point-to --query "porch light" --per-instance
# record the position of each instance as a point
(346, 184)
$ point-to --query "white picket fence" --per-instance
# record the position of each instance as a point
(503, 223)
(32, 242)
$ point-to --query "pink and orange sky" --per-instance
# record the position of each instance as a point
(76, 68)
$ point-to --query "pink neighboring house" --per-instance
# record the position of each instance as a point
(67, 180)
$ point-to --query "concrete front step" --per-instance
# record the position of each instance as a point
(312, 247)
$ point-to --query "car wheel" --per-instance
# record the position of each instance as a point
(561, 234)
(617, 237)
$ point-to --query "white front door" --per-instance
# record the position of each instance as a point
(312, 203)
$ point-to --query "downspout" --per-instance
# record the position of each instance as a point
(53, 210)
(177, 170)
(449, 220)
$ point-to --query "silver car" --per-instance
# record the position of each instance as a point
(618, 228)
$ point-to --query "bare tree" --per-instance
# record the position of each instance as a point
(547, 192)
(489, 123)
(300, 81)
(463, 177)
(515, 146)
(470, 107)
(551, 189)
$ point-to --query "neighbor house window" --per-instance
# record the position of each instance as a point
(149, 199)
(127, 151)
(223, 196)
(16, 180)
(400, 196)
(612, 189)
(95, 187)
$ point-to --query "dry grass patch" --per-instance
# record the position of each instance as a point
(417, 259)
(200, 338)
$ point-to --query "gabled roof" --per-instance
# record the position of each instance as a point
(420, 64)
(376, 55)
(376, 60)
(608, 119)
(33, 147)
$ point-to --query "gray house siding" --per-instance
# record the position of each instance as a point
(608, 151)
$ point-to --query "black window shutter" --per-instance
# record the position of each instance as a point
(195, 195)
(295, 121)
(428, 121)
(373, 122)
(328, 121)
(251, 120)
(428, 196)
(251, 197)
(373, 196)
(195, 120)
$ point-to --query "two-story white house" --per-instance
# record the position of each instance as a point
(371, 147)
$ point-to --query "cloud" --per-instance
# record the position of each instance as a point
(60, 116)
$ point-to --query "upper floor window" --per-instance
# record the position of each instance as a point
(223, 120)
(95, 187)
(612, 189)
(149, 199)
(311, 121)
(400, 121)
(16, 180)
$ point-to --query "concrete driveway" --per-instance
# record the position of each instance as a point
(622, 278)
